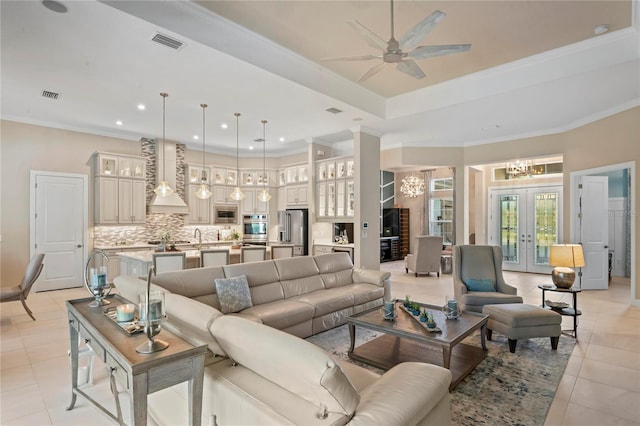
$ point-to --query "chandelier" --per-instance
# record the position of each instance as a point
(519, 168)
(412, 186)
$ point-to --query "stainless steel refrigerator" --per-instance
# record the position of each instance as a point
(292, 229)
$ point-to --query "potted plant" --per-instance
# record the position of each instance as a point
(407, 301)
(165, 238)
(423, 316)
(431, 323)
(235, 236)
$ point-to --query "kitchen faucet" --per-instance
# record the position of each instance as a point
(199, 234)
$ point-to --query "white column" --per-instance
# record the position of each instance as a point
(366, 153)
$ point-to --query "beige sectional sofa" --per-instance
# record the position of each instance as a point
(265, 373)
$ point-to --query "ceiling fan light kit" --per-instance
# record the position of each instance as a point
(402, 52)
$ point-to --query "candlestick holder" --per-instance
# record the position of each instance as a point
(95, 280)
(151, 316)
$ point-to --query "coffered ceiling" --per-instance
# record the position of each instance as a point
(535, 67)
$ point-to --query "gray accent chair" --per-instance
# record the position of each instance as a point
(21, 291)
(426, 258)
(482, 263)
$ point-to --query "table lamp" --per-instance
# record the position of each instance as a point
(564, 257)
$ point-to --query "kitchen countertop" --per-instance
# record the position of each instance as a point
(331, 244)
(141, 245)
(147, 255)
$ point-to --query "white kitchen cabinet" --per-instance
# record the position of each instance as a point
(341, 198)
(106, 201)
(222, 195)
(321, 202)
(251, 204)
(131, 201)
(133, 267)
(350, 198)
(320, 249)
(120, 190)
(282, 198)
(194, 174)
(199, 209)
(297, 195)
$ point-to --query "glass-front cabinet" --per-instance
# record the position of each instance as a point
(335, 192)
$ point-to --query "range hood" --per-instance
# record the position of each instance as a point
(172, 204)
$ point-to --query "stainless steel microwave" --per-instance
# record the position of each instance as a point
(225, 215)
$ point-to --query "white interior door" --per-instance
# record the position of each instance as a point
(593, 195)
(525, 222)
(59, 223)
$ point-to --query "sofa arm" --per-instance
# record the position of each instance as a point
(405, 395)
(370, 276)
(191, 319)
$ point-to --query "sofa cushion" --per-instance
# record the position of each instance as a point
(335, 269)
(363, 293)
(192, 283)
(289, 362)
(298, 275)
(480, 284)
(263, 280)
(481, 298)
(327, 301)
(281, 314)
(233, 294)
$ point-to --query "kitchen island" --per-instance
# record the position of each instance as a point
(137, 263)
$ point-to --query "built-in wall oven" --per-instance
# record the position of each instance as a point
(255, 229)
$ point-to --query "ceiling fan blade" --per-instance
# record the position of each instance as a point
(409, 67)
(352, 58)
(373, 71)
(424, 52)
(416, 34)
(369, 36)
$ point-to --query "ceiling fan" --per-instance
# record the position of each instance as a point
(402, 52)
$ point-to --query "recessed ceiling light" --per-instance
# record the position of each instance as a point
(334, 110)
(224, 125)
(196, 137)
(119, 123)
(54, 6)
(281, 139)
(250, 148)
(601, 29)
(141, 107)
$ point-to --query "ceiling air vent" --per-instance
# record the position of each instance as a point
(258, 140)
(50, 95)
(167, 41)
(334, 110)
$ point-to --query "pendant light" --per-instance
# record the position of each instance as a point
(163, 190)
(237, 194)
(264, 195)
(203, 191)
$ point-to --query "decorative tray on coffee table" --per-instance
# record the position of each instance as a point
(417, 319)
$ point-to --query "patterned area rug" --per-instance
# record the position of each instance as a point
(504, 389)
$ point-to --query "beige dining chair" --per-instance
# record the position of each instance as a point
(252, 254)
(21, 291)
(169, 261)
(282, 251)
(214, 257)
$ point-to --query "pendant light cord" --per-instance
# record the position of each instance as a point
(237, 114)
(203, 137)
(164, 159)
(264, 155)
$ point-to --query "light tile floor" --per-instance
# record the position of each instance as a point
(601, 385)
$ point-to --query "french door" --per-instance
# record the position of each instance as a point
(525, 222)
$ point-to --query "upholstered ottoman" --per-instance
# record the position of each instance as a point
(521, 321)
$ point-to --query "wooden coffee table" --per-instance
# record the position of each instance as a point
(406, 339)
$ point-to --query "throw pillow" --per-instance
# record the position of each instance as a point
(474, 284)
(233, 294)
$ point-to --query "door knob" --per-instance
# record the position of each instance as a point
(606, 247)
(79, 246)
